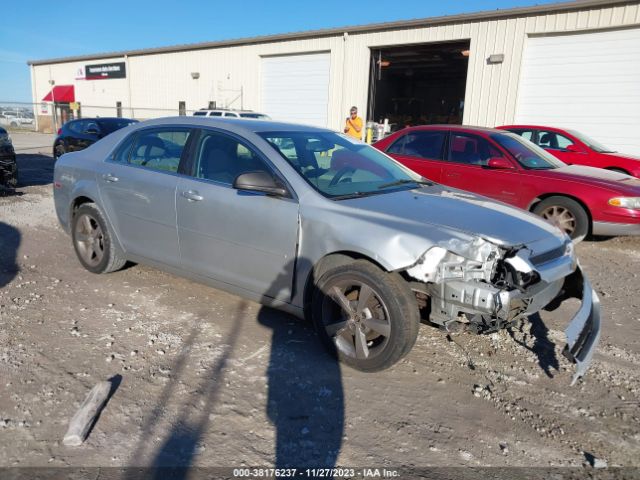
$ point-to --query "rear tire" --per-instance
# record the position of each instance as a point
(366, 317)
(12, 181)
(93, 241)
(566, 214)
(58, 150)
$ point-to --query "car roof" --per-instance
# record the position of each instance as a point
(233, 124)
(225, 110)
(457, 128)
(100, 119)
(546, 127)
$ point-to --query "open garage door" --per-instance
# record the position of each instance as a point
(295, 88)
(418, 84)
(588, 82)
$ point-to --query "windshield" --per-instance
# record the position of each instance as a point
(528, 154)
(339, 167)
(591, 143)
(110, 126)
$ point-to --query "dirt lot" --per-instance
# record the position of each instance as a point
(210, 379)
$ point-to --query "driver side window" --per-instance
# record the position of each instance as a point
(222, 158)
(553, 140)
(471, 150)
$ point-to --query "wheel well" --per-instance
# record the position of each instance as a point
(617, 169)
(326, 263)
(575, 199)
(77, 202)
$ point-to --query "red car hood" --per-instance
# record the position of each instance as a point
(595, 176)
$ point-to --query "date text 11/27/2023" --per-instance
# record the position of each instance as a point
(336, 472)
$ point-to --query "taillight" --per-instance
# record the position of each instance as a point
(60, 131)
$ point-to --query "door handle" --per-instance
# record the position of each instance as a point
(192, 196)
(451, 175)
(110, 177)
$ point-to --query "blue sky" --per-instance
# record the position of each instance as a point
(40, 29)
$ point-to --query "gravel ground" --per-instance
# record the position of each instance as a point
(209, 379)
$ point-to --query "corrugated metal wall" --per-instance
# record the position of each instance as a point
(160, 81)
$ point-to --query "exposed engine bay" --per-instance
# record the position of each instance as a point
(483, 287)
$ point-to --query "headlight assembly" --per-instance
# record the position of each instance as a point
(626, 202)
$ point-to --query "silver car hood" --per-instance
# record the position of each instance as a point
(420, 210)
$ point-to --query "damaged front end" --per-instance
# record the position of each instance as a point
(483, 286)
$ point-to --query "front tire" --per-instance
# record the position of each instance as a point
(366, 317)
(93, 241)
(565, 213)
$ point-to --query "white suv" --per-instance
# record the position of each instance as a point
(15, 119)
(232, 114)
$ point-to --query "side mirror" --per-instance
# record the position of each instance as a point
(572, 148)
(499, 163)
(260, 182)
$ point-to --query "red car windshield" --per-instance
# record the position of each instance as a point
(591, 143)
(528, 154)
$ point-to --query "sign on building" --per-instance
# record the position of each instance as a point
(105, 71)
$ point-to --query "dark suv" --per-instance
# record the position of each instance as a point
(8, 166)
(79, 134)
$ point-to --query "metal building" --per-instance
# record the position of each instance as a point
(571, 64)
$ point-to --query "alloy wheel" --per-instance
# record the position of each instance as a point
(356, 319)
(561, 217)
(89, 239)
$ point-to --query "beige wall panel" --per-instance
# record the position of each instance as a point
(155, 83)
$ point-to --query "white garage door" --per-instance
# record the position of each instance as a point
(589, 82)
(295, 88)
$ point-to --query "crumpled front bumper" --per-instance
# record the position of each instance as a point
(583, 332)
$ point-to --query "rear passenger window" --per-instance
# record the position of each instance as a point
(418, 144)
(221, 158)
(78, 126)
(121, 155)
(159, 149)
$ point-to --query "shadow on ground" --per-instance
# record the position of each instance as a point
(305, 401)
(9, 242)
(543, 347)
(34, 169)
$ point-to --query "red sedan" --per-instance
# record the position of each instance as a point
(501, 165)
(574, 148)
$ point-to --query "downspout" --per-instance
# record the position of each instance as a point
(345, 37)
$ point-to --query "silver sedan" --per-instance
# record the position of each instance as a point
(324, 227)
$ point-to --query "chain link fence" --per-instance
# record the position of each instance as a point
(17, 116)
(48, 117)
